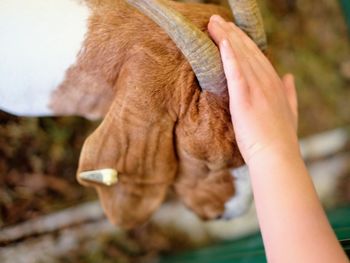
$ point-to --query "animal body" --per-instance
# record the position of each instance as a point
(164, 127)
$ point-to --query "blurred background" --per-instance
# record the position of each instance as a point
(38, 157)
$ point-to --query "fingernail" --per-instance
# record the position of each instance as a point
(292, 78)
(216, 18)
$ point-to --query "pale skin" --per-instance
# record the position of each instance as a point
(264, 115)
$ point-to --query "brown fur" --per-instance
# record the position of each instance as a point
(159, 129)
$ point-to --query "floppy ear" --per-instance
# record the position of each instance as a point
(206, 149)
(136, 140)
(203, 190)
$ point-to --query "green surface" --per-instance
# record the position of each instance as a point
(250, 248)
(345, 4)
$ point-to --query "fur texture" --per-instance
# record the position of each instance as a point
(159, 131)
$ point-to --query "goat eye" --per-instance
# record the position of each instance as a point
(106, 176)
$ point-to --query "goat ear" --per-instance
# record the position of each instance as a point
(206, 149)
(130, 197)
(136, 141)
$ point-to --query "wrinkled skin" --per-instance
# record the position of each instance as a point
(159, 131)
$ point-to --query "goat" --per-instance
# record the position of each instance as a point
(151, 72)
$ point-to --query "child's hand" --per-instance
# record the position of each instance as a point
(264, 115)
(263, 107)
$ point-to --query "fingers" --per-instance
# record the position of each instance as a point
(237, 69)
(216, 32)
(234, 66)
(237, 84)
(262, 105)
(220, 29)
(258, 68)
(290, 90)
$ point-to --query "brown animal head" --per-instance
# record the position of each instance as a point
(166, 127)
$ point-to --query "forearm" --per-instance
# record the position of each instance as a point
(263, 108)
(291, 218)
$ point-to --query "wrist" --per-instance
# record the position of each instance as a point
(275, 154)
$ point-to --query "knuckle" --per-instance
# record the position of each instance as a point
(221, 40)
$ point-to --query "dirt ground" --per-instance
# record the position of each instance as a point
(38, 157)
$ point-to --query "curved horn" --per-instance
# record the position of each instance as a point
(197, 47)
(248, 18)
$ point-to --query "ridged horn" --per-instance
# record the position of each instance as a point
(197, 47)
(248, 18)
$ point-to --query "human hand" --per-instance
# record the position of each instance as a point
(263, 107)
(264, 115)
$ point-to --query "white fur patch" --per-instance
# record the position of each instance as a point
(40, 39)
(241, 201)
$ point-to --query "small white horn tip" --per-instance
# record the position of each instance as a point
(106, 176)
